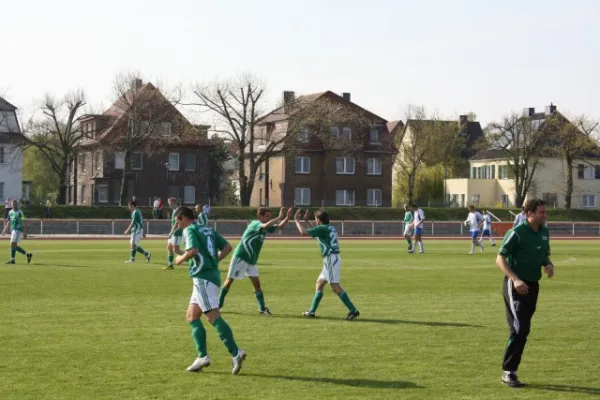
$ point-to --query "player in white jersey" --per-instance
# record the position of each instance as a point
(487, 228)
(417, 225)
(520, 218)
(473, 221)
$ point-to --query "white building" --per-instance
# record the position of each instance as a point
(11, 159)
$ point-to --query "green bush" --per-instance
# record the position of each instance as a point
(335, 213)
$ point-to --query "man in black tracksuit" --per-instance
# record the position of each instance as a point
(525, 249)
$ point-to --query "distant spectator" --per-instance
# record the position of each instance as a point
(134, 199)
(48, 213)
(161, 204)
(155, 206)
(7, 208)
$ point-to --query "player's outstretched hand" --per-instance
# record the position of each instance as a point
(289, 213)
(297, 215)
(281, 212)
(306, 215)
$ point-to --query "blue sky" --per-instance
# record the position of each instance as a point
(453, 56)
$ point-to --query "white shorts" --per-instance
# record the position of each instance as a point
(331, 268)
(16, 236)
(205, 294)
(238, 269)
(175, 240)
(136, 237)
(408, 230)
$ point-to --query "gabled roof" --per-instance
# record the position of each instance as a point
(392, 126)
(6, 106)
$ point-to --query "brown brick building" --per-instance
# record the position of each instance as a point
(314, 175)
(176, 166)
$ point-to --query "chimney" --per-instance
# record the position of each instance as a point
(137, 84)
(528, 112)
(346, 96)
(551, 109)
(288, 98)
(463, 120)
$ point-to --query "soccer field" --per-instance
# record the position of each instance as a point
(80, 324)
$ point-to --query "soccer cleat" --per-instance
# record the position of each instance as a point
(169, 267)
(510, 379)
(237, 362)
(493, 244)
(353, 315)
(10, 262)
(265, 311)
(29, 257)
(148, 256)
(471, 252)
(130, 262)
(308, 314)
(199, 363)
(422, 251)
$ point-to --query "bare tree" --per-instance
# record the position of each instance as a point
(57, 133)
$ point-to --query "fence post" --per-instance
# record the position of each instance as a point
(113, 226)
(147, 227)
(78, 227)
(41, 226)
(573, 234)
(372, 228)
(343, 228)
(432, 228)
(461, 229)
(216, 225)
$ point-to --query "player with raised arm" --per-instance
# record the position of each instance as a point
(18, 231)
(245, 257)
(473, 221)
(136, 227)
(408, 218)
(417, 224)
(203, 213)
(487, 228)
(204, 248)
(175, 236)
(327, 238)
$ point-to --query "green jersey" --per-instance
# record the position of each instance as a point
(252, 241)
(202, 218)
(205, 265)
(136, 218)
(178, 232)
(526, 250)
(408, 217)
(16, 218)
(327, 237)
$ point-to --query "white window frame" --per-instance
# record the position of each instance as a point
(372, 193)
(475, 199)
(589, 172)
(346, 132)
(372, 163)
(345, 170)
(304, 165)
(304, 196)
(375, 130)
(172, 166)
(105, 187)
(185, 164)
(119, 160)
(586, 195)
(187, 191)
(346, 201)
(141, 161)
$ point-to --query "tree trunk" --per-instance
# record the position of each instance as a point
(73, 161)
(62, 183)
(411, 186)
(126, 167)
(569, 191)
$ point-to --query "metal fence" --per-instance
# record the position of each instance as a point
(236, 228)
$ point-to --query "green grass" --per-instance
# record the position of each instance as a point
(80, 324)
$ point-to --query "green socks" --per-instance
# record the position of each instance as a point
(170, 258)
(141, 251)
(13, 253)
(222, 295)
(260, 299)
(316, 300)
(132, 254)
(199, 336)
(346, 300)
(409, 240)
(226, 336)
(21, 250)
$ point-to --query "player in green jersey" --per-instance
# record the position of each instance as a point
(204, 248)
(203, 213)
(245, 257)
(408, 218)
(136, 227)
(327, 237)
(18, 231)
(175, 236)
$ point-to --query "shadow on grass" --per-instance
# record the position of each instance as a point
(360, 320)
(358, 382)
(36, 264)
(566, 388)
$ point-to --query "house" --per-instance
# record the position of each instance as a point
(11, 157)
(469, 133)
(491, 182)
(172, 161)
(315, 173)
(231, 170)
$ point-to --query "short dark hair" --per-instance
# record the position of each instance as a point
(414, 205)
(533, 204)
(132, 203)
(322, 216)
(262, 211)
(184, 212)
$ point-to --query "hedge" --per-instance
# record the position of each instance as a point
(335, 213)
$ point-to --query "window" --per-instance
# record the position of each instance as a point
(190, 161)
(120, 160)
(189, 195)
(493, 174)
(335, 131)
(1, 190)
(597, 171)
(550, 198)
(580, 170)
(173, 161)
(505, 201)
(137, 160)
(374, 197)
(165, 128)
(473, 173)
(82, 198)
(1, 155)
(589, 172)
(344, 197)
(303, 136)
(475, 199)
(83, 161)
(374, 135)
(588, 200)
(346, 133)
(96, 160)
(302, 197)
(102, 195)
(303, 165)
(374, 166)
(344, 165)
